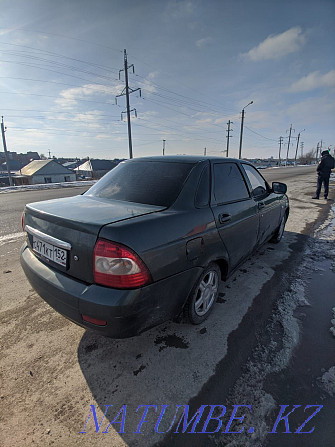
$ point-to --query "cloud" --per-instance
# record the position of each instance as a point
(179, 9)
(201, 43)
(89, 120)
(148, 84)
(313, 111)
(68, 98)
(277, 46)
(103, 136)
(313, 81)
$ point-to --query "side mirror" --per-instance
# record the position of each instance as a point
(279, 188)
(259, 191)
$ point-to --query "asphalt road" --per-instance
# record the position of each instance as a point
(12, 205)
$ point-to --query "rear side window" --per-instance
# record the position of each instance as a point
(147, 182)
(229, 184)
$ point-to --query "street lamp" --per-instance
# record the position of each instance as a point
(241, 133)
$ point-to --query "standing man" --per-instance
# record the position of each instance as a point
(324, 167)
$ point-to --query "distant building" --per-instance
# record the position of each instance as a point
(17, 179)
(47, 171)
(23, 159)
(71, 164)
(14, 165)
(95, 169)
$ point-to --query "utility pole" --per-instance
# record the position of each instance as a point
(302, 149)
(241, 132)
(288, 144)
(126, 92)
(317, 153)
(296, 149)
(3, 130)
(164, 147)
(228, 136)
(280, 143)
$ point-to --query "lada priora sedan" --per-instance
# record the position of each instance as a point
(150, 241)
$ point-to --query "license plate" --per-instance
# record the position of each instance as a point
(50, 251)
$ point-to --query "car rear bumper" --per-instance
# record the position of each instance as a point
(127, 312)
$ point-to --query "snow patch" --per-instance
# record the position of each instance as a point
(11, 237)
(9, 189)
(327, 381)
(332, 329)
(283, 335)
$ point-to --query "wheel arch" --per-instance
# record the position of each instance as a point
(223, 266)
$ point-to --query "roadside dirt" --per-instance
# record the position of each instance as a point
(52, 370)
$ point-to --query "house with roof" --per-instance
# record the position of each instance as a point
(47, 171)
(95, 169)
(71, 164)
(14, 165)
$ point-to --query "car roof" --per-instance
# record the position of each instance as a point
(184, 158)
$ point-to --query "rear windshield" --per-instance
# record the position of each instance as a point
(148, 182)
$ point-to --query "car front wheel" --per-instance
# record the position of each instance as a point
(204, 295)
(279, 232)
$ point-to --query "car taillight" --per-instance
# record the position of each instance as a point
(93, 320)
(118, 266)
(22, 221)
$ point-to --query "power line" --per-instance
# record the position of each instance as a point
(57, 83)
(61, 55)
(262, 136)
(57, 97)
(66, 37)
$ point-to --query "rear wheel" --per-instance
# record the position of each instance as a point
(279, 232)
(204, 295)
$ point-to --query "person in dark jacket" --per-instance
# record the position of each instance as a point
(324, 167)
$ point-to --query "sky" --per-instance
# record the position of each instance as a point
(197, 64)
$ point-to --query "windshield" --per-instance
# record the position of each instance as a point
(149, 182)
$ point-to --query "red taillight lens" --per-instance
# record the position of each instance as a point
(118, 266)
(22, 221)
(93, 320)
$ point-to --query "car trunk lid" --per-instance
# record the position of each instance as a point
(63, 232)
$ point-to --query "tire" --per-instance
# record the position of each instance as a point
(276, 238)
(204, 295)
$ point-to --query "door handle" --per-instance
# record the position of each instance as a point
(224, 218)
(261, 205)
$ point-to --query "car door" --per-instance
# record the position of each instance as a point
(236, 213)
(267, 203)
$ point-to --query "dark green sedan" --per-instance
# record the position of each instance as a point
(150, 241)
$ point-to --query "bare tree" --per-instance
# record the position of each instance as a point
(308, 158)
